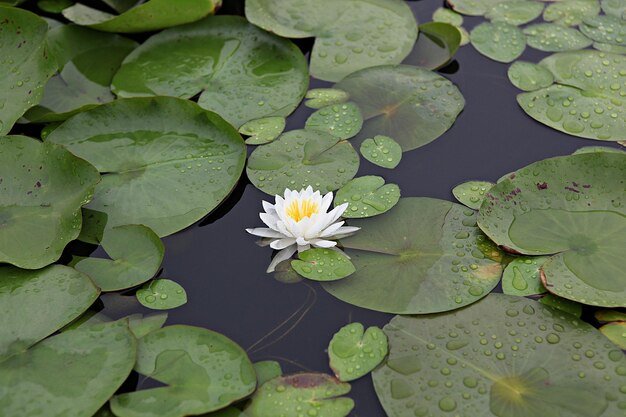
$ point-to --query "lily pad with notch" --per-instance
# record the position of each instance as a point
(528, 76)
(499, 41)
(552, 37)
(319, 264)
(162, 294)
(354, 352)
(262, 131)
(340, 120)
(472, 193)
(382, 151)
(367, 196)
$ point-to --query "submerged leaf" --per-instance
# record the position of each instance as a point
(367, 196)
(354, 352)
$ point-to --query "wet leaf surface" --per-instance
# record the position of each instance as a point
(367, 196)
(322, 265)
(354, 352)
(472, 193)
(340, 120)
(516, 12)
(498, 40)
(553, 37)
(262, 131)
(522, 276)
(528, 76)
(162, 294)
(571, 12)
(382, 151)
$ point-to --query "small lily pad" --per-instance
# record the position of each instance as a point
(499, 41)
(436, 45)
(607, 316)
(568, 306)
(607, 47)
(447, 16)
(382, 151)
(162, 294)
(472, 193)
(552, 37)
(141, 325)
(267, 370)
(355, 352)
(616, 333)
(320, 264)
(570, 12)
(474, 7)
(322, 97)
(522, 276)
(605, 29)
(615, 8)
(528, 76)
(262, 131)
(516, 12)
(367, 196)
(340, 120)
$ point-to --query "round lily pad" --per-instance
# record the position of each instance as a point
(340, 120)
(472, 193)
(136, 253)
(367, 196)
(322, 97)
(266, 370)
(322, 265)
(262, 75)
(522, 276)
(605, 29)
(516, 12)
(571, 12)
(574, 207)
(162, 294)
(42, 188)
(412, 105)
(350, 34)
(262, 131)
(616, 333)
(563, 304)
(436, 44)
(586, 99)
(615, 8)
(447, 16)
(553, 37)
(501, 357)
(423, 256)
(382, 151)
(166, 161)
(474, 7)
(528, 76)
(499, 41)
(300, 158)
(354, 352)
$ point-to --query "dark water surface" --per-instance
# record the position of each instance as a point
(222, 268)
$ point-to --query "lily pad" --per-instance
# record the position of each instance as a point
(437, 43)
(552, 37)
(304, 393)
(54, 6)
(573, 207)
(563, 304)
(423, 256)
(162, 294)
(262, 131)
(340, 120)
(300, 158)
(499, 41)
(522, 276)
(605, 29)
(354, 352)
(267, 370)
(147, 16)
(412, 105)
(350, 34)
(586, 99)
(474, 7)
(42, 187)
(447, 16)
(607, 47)
(322, 97)
(323, 265)
(241, 72)
(136, 253)
(593, 149)
(367, 196)
(607, 316)
(528, 76)
(204, 371)
(166, 161)
(571, 12)
(472, 193)
(141, 325)
(616, 333)
(516, 12)
(382, 151)
(615, 8)
(26, 65)
(468, 362)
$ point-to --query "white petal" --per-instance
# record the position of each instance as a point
(279, 200)
(269, 220)
(283, 229)
(321, 228)
(330, 230)
(282, 243)
(320, 243)
(342, 231)
(302, 248)
(283, 255)
(269, 208)
(265, 232)
(336, 213)
(302, 241)
(326, 202)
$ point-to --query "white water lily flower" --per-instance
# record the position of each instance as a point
(300, 221)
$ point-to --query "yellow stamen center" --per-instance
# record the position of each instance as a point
(299, 209)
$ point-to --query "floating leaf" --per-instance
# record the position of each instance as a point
(142, 325)
(571, 12)
(382, 151)
(367, 196)
(54, 6)
(606, 316)
(26, 64)
(322, 97)
(349, 34)
(203, 370)
(528, 76)
(447, 16)
(616, 333)
(562, 304)
(412, 105)
(552, 37)
(162, 294)
(267, 370)
(615, 8)
(166, 162)
(606, 47)
(306, 394)
(436, 45)
(501, 357)
(323, 265)
(241, 72)
(340, 120)
(499, 41)
(522, 277)
(516, 12)
(136, 253)
(300, 158)
(574, 207)
(472, 193)
(592, 149)
(423, 256)
(354, 352)
(42, 187)
(262, 131)
(605, 29)
(474, 7)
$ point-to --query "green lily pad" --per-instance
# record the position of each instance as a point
(322, 97)
(162, 294)
(472, 193)
(26, 65)
(147, 16)
(382, 151)
(607, 47)
(423, 256)
(267, 370)
(121, 6)
(607, 316)
(522, 276)
(499, 41)
(552, 37)
(367, 196)
(501, 357)
(354, 352)
(323, 265)
(615, 8)
(474, 7)
(516, 12)
(340, 120)
(437, 43)
(350, 34)
(616, 333)
(572, 208)
(241, 72)
(528, 76)
(54, 6)
(301, 394)
(300, 158)
(136, 253)
(34, 304)
(605, 29)
(570, 12)
(568, 306)
(42, 187)
(586, 99)
(141, 325)
(594, 149)
(204, 371)
(262, 131)
(166, 161)
(412, 105)
(465, 37)
(447, 16)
